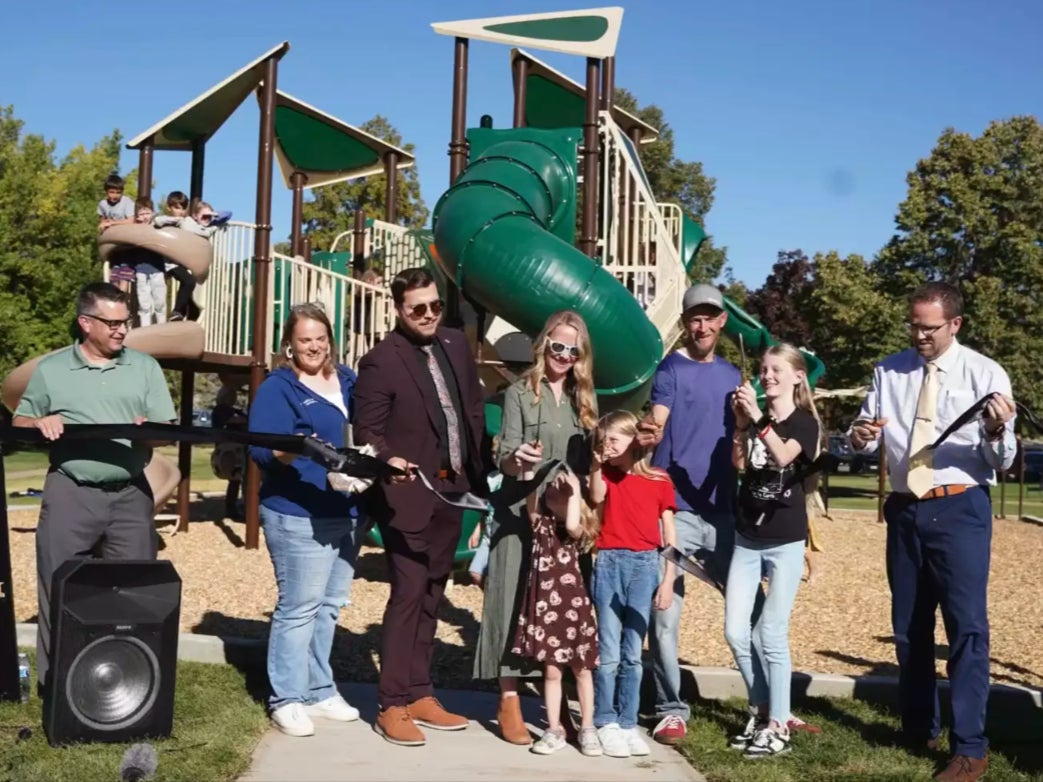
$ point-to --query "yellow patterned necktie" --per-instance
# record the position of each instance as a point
(921, 460)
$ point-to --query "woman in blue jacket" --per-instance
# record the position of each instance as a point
(312, 532)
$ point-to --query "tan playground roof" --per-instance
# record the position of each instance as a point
(201, 118)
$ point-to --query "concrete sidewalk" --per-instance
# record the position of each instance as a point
(340, 751)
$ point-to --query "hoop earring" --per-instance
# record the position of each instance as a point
(289, 353)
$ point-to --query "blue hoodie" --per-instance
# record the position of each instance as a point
(284, 405)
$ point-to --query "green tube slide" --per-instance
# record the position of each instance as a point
(503, 232)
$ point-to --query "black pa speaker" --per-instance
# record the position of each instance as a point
(114, 629)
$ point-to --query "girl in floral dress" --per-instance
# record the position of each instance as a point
(556, 622)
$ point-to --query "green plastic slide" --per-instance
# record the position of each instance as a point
(504, 233)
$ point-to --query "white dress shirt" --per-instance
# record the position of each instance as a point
(965, 376)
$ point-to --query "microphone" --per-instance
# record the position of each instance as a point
(139, 763)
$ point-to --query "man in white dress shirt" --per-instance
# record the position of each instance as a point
(939, 517)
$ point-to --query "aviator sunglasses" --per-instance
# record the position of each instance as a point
(418, 311)
(562, 350)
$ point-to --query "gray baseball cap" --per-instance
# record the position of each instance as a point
(702, 294)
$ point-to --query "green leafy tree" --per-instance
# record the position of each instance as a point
(677, 181)
(973, 215)
(781, 302)
(332, 208)
(853, 322)
(48, 236)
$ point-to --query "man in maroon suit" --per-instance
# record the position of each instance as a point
(419, 403)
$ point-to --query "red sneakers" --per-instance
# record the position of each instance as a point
(670, 730)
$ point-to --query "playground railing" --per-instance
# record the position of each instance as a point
(640, 240)
(390, 248)
(360, 313)
(226, 298)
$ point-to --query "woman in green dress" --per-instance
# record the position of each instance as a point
(547, 415)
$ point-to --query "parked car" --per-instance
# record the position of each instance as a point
(848, 460)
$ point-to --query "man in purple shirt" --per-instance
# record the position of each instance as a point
(692, 424)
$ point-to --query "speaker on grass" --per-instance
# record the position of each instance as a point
(114, 629)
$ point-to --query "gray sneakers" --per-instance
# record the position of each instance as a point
(550, 742)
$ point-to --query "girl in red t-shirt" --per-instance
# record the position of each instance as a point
(637, 519)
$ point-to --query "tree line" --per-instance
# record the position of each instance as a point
(973, 214)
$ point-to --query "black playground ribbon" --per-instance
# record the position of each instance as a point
(346, 460)
(976, 410)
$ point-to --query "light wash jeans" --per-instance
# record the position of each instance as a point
(314, 561)
(769, 638)
(152, 298)
(623, 587)
(710, 540)
(480, 560)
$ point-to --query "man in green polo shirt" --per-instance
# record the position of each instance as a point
(96, 500)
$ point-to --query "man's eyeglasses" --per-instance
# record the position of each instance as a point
(562, 350)
(114, 325)
(927, 331)
(418, 311)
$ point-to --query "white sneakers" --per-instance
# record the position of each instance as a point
(294, 719)
(619, 743)
(333, 708)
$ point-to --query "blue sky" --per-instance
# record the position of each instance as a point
(808, 113)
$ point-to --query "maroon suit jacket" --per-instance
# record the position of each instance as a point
(395, 412)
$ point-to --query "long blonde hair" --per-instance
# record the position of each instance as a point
(802, 395)
(579, 382)
(625, 423)
(589, 519)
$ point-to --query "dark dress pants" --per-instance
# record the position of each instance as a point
(938, 555)
(82, 521)
(419, 564)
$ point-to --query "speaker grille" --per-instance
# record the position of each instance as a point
(112, 682)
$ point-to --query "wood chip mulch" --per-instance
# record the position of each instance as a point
(841, 622)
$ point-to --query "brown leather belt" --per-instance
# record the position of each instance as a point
(948, 490)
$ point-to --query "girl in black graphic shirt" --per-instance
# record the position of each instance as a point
(771, 527)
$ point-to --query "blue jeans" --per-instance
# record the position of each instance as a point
(784, 566)
(623, 586)
(314, 561)
(480, 560)
(710, 540)
(938, 555)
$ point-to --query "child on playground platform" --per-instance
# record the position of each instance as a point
(637, 518)
(115, 208)
(148, 274)
(176, 211)
(771, 530)
(556, 624)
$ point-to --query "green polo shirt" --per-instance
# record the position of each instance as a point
(129, 386)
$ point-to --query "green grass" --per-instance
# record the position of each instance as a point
(217, 724)
(858, 492)
(203, 478)
(857, 744)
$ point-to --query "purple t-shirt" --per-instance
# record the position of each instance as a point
(696, 449)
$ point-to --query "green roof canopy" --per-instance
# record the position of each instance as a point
(553, 100)
(325, 149)
(201, 118)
